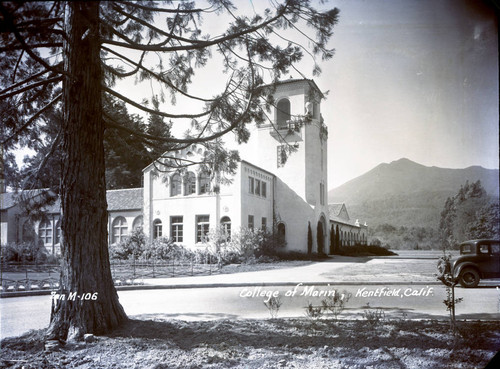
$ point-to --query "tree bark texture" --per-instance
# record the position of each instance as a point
(85, 265)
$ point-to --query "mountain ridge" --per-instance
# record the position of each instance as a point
(407, 193)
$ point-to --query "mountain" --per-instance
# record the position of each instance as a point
(405, 193)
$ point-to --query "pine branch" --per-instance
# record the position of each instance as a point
(38, 170)
(31, 86)
(155, 75)
(156, 29)
(148, 110)
(163, 10)
(32, 119)
(202, 44)
(10, 24)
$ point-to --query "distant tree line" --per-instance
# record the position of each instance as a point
(401, 238)
(470, 214)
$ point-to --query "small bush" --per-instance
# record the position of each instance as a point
(373, 316)
(365, 250)
(336, 304)
(132, 247)
(314, 312)
(273, 305)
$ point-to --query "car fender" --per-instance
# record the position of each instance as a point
(458, 269)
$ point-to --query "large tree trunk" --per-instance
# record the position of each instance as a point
(89, 301)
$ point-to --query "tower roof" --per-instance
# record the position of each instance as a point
(310, 82)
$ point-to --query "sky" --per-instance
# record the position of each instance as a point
(412, 79)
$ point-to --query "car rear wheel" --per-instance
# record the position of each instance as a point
(469, 278)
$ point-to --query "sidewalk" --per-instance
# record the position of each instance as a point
(340, 270)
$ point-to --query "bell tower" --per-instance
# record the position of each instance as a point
(293, 144)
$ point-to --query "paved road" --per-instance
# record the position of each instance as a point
(20, 314)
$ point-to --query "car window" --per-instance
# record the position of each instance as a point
(483, 249)
(466, 249)
(495, 248)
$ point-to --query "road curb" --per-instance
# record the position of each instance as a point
(229, 285)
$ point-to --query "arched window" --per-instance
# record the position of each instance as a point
(204, 185)
(45, 231)
(157, 229)
(283, 113)
(138, 223)
(281, 232)
(175, 185)
(189, 184)
(225, 223)
(119, 229)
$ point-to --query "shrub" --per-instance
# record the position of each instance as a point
(247, 245)
(273, 305)
(365, 250)
(132, 247)
(313, 312)
(336, 303)
(24, 252)
(373, 316)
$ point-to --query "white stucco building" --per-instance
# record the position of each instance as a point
(272, 188)
(269, 190)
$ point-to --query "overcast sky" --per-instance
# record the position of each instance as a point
(414, 79)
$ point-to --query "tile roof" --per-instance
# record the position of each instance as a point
(125, 199)
(334, 209)
(10, 199)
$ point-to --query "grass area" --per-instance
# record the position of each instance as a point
(273, 343)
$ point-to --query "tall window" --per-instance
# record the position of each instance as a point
(119, 229)
(58, 232)
(176, 228)
(225, 223)
(189, 184)
(157, 229)
(45, 231)
(281, 155)
(175, 185)
(322, 194)
(264, 224)
(257, 187)
(251, 185)
(263, 189)
(202, 227)
(283, 113)
(204, 183)
(250, 222)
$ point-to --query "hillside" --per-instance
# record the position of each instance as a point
(407, 193)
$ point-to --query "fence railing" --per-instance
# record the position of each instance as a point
(26, 277)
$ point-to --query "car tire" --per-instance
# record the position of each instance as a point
(469, 278)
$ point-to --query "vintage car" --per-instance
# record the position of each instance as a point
(478, 259)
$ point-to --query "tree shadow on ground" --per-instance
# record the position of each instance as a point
(296, 333)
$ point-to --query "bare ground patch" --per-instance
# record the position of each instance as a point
(273, 343)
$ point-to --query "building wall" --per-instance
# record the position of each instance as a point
(254, 203)
(351, 234)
